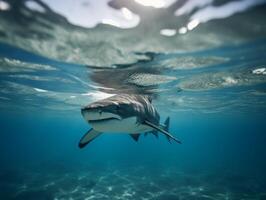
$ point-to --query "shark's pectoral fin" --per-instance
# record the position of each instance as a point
(88, 137)
(135, 136)
(166, 133)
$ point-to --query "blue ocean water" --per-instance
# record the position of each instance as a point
(210, 81)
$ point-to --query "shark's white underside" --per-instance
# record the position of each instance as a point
(126, 125)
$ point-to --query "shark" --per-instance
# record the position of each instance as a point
(123, 113)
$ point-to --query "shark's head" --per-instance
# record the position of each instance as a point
(101, 111)
(117, 108)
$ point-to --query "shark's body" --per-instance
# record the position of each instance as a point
(133, 114)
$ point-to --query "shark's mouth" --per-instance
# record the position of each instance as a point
(102, 120)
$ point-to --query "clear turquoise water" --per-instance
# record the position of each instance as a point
(210, 81)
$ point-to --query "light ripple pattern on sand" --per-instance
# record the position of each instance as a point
(130, 183)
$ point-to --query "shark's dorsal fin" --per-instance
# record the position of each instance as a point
(135, 136)
(167, 134)
(88, 137)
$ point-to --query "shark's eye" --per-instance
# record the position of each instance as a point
(117, 107)
(100, 111)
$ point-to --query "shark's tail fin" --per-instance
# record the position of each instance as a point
(164, 128)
